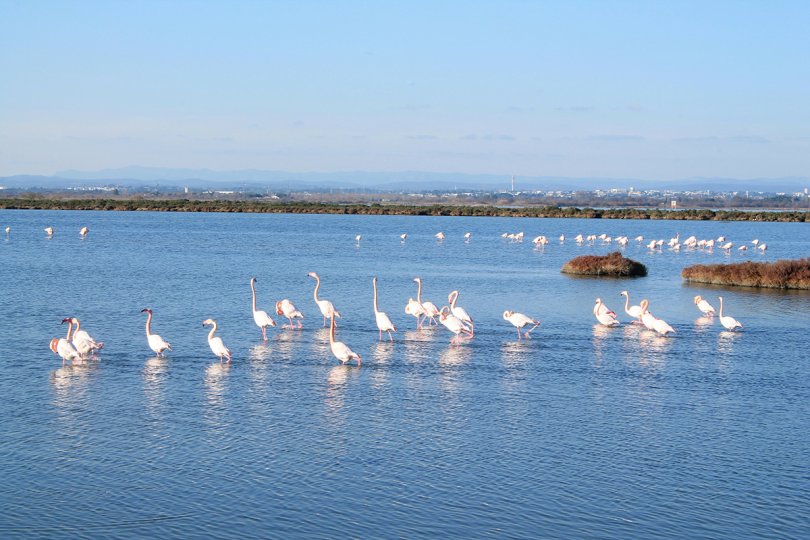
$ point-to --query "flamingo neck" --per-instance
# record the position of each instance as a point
(419, 291)
(626, 302)
(453, 302)
(376, 309)
(332, 329)
(317, 286)
(78, 324)
(253, 290)
(70, 331)
(148, 323)
(211, 333)
(721, 307)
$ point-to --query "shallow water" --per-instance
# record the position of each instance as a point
(582, 431)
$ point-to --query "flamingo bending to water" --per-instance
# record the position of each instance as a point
(326, 307)
(704, 307)
(454, 324)
(84, 343)
(384, 324)
(460, 312)
(604, 315)
(341, 351)
(83, 231)
(64, 346)
(287, 308)
(215, 342)
(260, 317)
(156, 343)
(519, 321)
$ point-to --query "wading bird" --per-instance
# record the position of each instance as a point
(215, 342)
(260, 317)
(156, 343)
(519, 321)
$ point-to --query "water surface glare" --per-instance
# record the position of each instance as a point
(580, 432)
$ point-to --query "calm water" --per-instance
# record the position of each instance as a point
(581, 432)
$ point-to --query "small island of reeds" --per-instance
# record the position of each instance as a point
(783, 274)
(610, 265)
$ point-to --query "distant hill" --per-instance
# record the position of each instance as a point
(137, 176)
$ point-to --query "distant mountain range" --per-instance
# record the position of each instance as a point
(384, 181)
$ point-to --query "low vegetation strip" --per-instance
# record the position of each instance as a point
(783, 274)
(254, 206)
(611, 265)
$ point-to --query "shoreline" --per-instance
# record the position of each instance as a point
(261, 207)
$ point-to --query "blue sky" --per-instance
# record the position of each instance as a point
(646, 89)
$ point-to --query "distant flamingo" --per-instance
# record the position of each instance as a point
(260, 317)
(156, 343)
(341, 351)
(49, 231)
(467, 236)
(215, 342)
(384, 324)
(8, 230)
(453, 323)
(704, 307)
(358, 238)
(440, 236)
(287, 308)
(431, 311)
(460, 312)
(83, 341)
(83, 231)
(403, 236)
(729, 323)
(603, 314)
(519, 321)
(326, 307)
(632, 311)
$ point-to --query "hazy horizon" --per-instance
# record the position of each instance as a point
(577, 89)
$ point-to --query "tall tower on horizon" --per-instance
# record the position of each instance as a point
(513, 183)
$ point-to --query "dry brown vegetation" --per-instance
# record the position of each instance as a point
(612, 264)
(784, 274)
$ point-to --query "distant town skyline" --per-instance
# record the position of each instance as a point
(655, 90)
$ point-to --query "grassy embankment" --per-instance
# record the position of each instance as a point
(186, 205)
(610, 265)
(784, 274)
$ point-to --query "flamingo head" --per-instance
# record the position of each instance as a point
(507, 314)
(598, 300)
(313, 275)
(623, 293)
(278, 308)
(206, 322)
(74, 320)
(698, 298)
(643, 305)
(452, 295)
(66, 320)
(418, 280)
(146, 310)
(444, 312)
(374, 280)
(252, 280)
(54, 344)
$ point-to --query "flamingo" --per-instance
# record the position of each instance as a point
(326, 307)
(156, 343)
(743, 248)
(727, 246)
(467, 236)
(704, 307)
(562, 238)
(384, 324)
(639, 239)
(358, 238)
(755, 241)
(730, 323)
(440, 236)
(287, 308)
(341, 351)
(647, 318)
(64, 346)
(83, 231)
(604, 315)
(215, 342)
(82, 339)
(453, 323)
(415, 308)
(519, 320)
(403, 236)
(49, 231)
(431, 311)
(762, 247)
(260, 317)
(8, 230)
(632, 311)
(460, 312)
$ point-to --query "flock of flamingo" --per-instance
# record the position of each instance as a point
(78, 345)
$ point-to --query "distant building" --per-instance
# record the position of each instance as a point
(673, 204)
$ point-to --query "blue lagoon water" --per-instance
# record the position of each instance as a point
(580, 432)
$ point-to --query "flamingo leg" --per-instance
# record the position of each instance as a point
(264, 333)
(390, 337)
(518, 330)
(324, 321)
(380, 338)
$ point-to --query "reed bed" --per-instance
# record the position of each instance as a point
(610, 265)
(782, 274)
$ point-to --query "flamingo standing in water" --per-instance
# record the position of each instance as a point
(261, 318)
(415, 309)
(460, 312)
(439, 236)
(454, 324)
(384, 324)
(156, 343)
(632, 311)
(215, 342)
(729, 323)
(287, 308)
(64, 346)
(341, 351)
(326, 307)
(519, 321)
(647, 318)
(83, 341)
(49, 231)
(83, 231)
(706, 308)
(604, 314)
(430, 309)
(654, 323)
